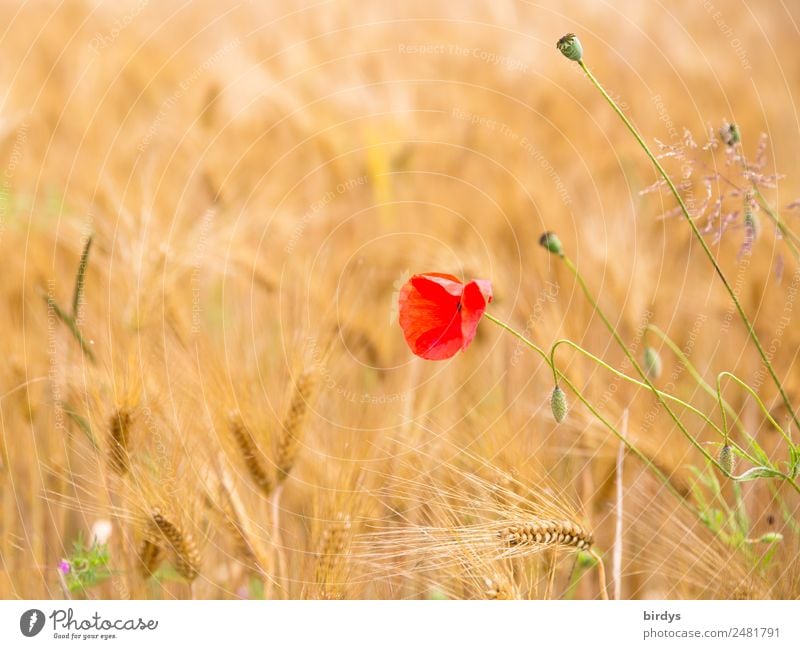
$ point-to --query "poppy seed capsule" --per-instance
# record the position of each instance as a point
(551, 242)
(726, 459)
(558, 404)
(570, 46)
(652, 363)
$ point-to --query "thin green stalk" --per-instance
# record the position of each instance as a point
(694, 373)
(630, 379)
(758, 401)
(622, 438)
(704, 385)
(750, 330)
(788, 235)
(650, 385)
(574, 270)
(725, 407)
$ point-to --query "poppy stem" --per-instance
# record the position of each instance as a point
(760, 403)
(708, 389)
(697, 234)
(584, 287)
(516, 333)
(648, 462)
(778, 474)
(704, 385)
(630, 379)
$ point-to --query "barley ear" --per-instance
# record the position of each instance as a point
(180, 542)
(333, 547)
(251, 454)
(293, 425)
(150, 557)
(546, 532)
(119, 428)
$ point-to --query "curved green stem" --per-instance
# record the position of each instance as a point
(722, 409)
(725, 407)
(622, 438)
(579, 278)
(630, 379)
(706, 386)
(750, 330)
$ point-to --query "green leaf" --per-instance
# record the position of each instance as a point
(758, 472)
(88, 565)
(794, 461)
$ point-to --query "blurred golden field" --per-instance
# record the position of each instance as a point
(259, 179)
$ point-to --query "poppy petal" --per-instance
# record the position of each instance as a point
(429, 315)
(449, 283)
(477, 294)
(440, 343)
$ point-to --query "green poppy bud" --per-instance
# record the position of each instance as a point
(551, 241)
(558, 404)
(726, 458)
(652, 363)
(570, 47)
(771, 537)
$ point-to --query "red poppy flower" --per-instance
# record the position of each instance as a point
(439, 314)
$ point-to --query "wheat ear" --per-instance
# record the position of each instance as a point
(332, 548)
(150, 556)
(231, 509)
(291, 435)
(119, 430)
(187, 558)
(250, 453)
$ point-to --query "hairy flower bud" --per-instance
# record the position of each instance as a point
(558, 404)
(726, 458)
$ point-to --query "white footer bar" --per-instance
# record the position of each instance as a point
(404, 624)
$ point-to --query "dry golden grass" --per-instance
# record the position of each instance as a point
(259, 181)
